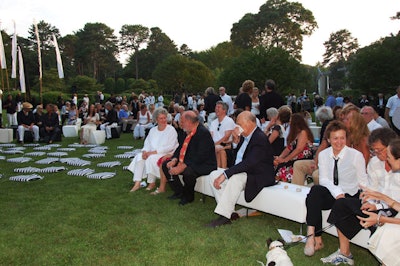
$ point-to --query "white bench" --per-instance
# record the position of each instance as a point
(284, 200)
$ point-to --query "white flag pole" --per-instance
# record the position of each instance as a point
(39, 61)
(58, 57)
(14, 54)
(21, 71)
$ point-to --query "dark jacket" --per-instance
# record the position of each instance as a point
(51, 120)
(200, 153)
(210, 102)
(25, 119)
(257, 162)
(112, 116)
(268, 100)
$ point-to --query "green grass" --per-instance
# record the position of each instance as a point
(68, 220)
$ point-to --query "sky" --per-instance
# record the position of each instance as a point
(202, 24)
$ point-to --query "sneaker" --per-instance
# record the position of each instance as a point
(337, 258)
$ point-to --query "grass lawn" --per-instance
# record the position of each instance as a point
(73, 220)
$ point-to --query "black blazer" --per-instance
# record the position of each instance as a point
(257, 162)
(200, 153)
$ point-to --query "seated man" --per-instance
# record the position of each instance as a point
(253, 169)
(126, 118)
(194, 157)
(221, 131)
(110, 121)
(51, 125)
(26, 122)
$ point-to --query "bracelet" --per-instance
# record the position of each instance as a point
(378, 220)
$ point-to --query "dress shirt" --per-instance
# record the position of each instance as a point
(392, 104)
(242, 149)
(351, 169)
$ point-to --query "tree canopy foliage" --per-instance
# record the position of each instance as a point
(279, 23)
(339, 47)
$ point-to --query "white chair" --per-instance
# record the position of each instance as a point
(6, 135)
(72, 130)
(97, 137)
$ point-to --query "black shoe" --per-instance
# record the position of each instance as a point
(184, 201)
(175, 196)
(219, 222)
(234, 216)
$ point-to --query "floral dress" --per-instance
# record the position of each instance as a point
(284, 171)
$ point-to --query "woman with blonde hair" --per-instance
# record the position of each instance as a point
(358, 130)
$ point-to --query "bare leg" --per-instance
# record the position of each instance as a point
(136, 186)
(344, 244)
(163, 181)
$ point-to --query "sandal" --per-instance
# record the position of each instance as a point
(156, 192)
(150, 187)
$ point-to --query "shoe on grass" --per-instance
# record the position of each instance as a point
(337, 258)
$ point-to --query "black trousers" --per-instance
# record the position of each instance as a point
(318, 199)
(189, 179)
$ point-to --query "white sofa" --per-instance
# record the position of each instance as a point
(284, 200)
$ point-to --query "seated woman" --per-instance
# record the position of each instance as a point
(91, 121)
(300, 146)
(385, 242)
(143, 122)
(275, 130)
(72, 115)
(161, 140)
(341, 170)
(381, 178)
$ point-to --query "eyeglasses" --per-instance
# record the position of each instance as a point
(377, 151)
(218, 126)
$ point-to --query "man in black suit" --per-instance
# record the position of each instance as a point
(270, 99)
(51, 125)
(253, 169)
(194, 157)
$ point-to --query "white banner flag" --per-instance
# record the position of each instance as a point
(21, 71)
(2, 54)
(39, 52)
(58, 57)
(14, 54)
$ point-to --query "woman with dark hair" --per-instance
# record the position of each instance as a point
(300, 146)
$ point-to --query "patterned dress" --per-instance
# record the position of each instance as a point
(284, 171)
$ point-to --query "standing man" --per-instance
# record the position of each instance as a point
(26, 122)
(194, 157)
(227, 99)
(330, 100)
(392, 104)
(253, 169)
(209, 103)
(270, 99)
(11, 105)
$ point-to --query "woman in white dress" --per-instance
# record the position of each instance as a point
(91, 121)
(162, 140)
(144, 121)
(255, 102)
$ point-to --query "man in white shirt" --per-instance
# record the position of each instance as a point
(227, 99)
(221, 131)
(367, 113)
(391, 106)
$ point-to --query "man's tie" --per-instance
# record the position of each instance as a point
(335, 173)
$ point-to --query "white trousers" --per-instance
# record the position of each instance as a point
(229, 193)
(107, 127)
(12, 119)
(21, 131)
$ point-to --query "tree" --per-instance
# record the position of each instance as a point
(279, 23)
(376, 67)
(132, 38)
(339, 47)
(185, 50)
(260, 64)
(179, 73)
(159, 47)
(96, 51)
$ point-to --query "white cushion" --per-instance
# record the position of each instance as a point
(6, 135)
(97, 137)
(70, 131)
